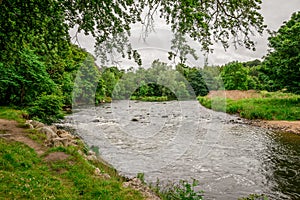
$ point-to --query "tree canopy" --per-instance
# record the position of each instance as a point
(47, 22)
(282, 63)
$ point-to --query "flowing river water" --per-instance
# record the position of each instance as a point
(177, 140)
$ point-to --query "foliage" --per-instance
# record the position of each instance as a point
(157, 83)
(37, 58)
(181, 49)
(282, 64)
(46, 108)
(24, 78)
(28, 79)
(195, 78)
(255, 197)
(151, 98)
(183, 190)
(236, 77)
(211, 76)
(205, 101)
(109, 22)
(85, 84)
(141, 176)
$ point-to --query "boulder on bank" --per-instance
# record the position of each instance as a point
(36, 124)
(54, 137)
(50, 134)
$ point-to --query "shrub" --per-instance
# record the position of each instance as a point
(47, 109)
(183, 190)
(205, 101)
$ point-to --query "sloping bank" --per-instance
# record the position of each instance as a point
(277, 111)
(39, 161)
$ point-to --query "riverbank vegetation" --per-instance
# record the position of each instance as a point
(265, 105)
(65, 173)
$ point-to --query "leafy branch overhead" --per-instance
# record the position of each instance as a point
(205, 21)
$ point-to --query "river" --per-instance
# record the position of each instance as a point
(177, 140)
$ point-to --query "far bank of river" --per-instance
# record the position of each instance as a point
(292, 103)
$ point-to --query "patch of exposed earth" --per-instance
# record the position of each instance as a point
(10, 129)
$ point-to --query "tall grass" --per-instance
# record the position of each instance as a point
(269, 106)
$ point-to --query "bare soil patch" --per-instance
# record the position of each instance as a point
(234, 94)
(280, 125)
(10, 130)
(13, 132)
(56, 156)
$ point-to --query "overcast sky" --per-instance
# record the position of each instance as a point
(275, 12)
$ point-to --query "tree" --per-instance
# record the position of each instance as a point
(283, 62)
(49, 21)
(211, 76)
(236, 77)
(195, 79)
(181, 49)
(87, 79)
(22, 80)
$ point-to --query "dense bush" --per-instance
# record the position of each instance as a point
(183, 190)
(47, 108)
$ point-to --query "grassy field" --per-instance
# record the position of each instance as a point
(265, 105)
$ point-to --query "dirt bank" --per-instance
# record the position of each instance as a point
(278, 125)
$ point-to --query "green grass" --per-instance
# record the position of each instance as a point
(36, 135)
(150, 98)
(23, 175)
(254, 197)
(270, 106)
(3, 131)
(12, 114)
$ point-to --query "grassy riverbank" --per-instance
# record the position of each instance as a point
(25, 174)
(257, 105)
